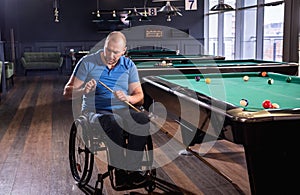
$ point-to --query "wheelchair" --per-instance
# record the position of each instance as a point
(85, 141)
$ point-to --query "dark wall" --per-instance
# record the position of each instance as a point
(30, 23)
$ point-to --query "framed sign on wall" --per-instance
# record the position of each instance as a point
(153, 33)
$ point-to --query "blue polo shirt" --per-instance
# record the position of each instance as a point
(91, 67)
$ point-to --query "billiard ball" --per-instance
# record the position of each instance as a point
(267, 104)
(197, 78)
(270, 81)
(289, 79)
(244, 102)
(163, 63)
(246, 78)
(263, 74)
(275, 105)
(207, 80)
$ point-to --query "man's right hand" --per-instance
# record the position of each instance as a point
(90, 86)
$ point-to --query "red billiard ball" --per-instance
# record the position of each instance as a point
(267, 104)
(197, 78)
(263, 74)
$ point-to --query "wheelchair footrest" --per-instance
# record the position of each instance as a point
(148, 184)
(100, 180)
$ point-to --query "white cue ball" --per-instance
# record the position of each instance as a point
(246, 78)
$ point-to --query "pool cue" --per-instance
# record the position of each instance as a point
(129, 104)
(187, 148)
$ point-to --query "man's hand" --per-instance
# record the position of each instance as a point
(122, 96)
(90, 86)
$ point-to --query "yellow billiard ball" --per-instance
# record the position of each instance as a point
(207, 80)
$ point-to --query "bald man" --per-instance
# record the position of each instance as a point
(100, 105)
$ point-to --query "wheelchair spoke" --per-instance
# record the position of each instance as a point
(78, 167)
(81, 159)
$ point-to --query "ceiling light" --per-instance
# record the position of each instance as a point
(221, 7)
(144, 16)
(133, 14)
(170, 10)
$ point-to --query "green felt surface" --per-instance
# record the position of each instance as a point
(231, 88)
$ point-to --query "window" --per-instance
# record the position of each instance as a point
(252, 31)
(249, 34)
(213, 35)
(229, 34)
(273, 32)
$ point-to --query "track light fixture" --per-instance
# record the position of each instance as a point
(133, 14)
(144, 16)
(98, 11)
(221, 7)
(169, 10)
(56, 12)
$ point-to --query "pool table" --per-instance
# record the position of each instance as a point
(212, 105)
(159, 55)
(191, 66)
(178, 58)
(151, 52)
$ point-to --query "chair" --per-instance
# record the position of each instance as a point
(85, 141)
(9, 74)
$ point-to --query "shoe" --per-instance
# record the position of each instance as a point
(137, 177)
(120, 178)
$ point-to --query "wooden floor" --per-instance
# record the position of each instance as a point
(34, 130)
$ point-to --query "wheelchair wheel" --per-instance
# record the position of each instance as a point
(81, 159)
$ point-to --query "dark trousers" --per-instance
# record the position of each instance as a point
(115, 124)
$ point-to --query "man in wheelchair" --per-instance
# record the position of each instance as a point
(110, 108)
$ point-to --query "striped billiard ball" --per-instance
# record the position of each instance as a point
(289, 79)
(270, 81)
(244, 102)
